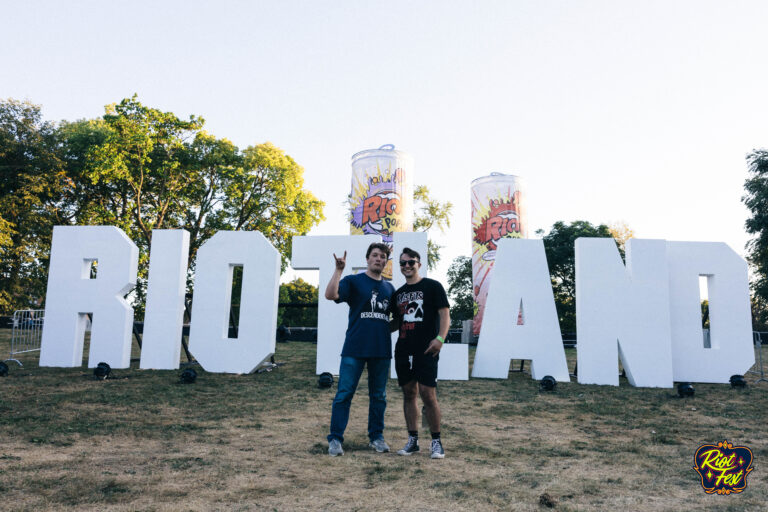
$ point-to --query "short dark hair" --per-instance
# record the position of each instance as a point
(377, 245)
(410, 252)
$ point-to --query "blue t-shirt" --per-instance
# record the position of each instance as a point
(368, 330)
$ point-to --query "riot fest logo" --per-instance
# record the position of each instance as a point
(502, 219)
(723, 468)
(376, 205)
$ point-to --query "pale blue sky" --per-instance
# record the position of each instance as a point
(611, 110)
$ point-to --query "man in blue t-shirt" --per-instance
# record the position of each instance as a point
(367, 342)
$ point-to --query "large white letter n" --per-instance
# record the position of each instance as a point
(623, 312)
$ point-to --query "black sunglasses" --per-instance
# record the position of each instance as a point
(409, 263)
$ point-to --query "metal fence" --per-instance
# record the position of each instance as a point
(759, 338)
(27, 332)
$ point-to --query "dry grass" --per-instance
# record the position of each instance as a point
(143, 441)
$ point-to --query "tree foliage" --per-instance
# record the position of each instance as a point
(265, 193)
(32, 180)
(431, 213)
(460, 290)
(759, 315)
(140, 169)
(298, 291)
(621, 232)
(756, 200)
(559, 248)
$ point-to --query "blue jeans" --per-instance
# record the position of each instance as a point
(349, 375)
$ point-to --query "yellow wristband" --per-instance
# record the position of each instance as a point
(440, 338)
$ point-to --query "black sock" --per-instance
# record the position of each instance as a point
(413, 433)
(435, 435)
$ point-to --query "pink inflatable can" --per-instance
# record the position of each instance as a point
(381, 201)
(498, 211)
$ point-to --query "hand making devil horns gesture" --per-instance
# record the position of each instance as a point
(332, 290)
(340, 262)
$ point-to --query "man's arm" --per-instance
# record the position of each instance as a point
(445, 323)
(332, 290)
(397, 318)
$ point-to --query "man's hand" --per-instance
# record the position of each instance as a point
(340, 262)
(332, 290)
(434, 347)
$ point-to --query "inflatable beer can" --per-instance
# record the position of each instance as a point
(381, 201)
(498, 211)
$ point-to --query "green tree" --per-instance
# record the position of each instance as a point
(140, 169)
(139, 164)
(756, 200)
(211, 163)
(298, 291)
(460, 290)
(705, 314)
(32, 180)
(431, 213)
(559, 248)
(266, 193)
(759, 315)
(82, 200)
(154, 171)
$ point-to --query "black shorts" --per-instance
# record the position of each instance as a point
(413, 365)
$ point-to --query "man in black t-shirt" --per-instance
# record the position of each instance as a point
(420, 311)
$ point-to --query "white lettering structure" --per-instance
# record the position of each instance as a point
(646, 313)
(520, 282)
(623, 312)
(731, 351)
(209, 340)
(72, 294)
(164, 314)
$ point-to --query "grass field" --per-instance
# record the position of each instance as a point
(143, 441)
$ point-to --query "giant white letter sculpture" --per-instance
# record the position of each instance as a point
(520, 281)
(316, 252)
(623, 312)
(164, 314)
(209, 340)
(72, 295)
(731, 351)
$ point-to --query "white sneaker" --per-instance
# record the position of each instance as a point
(334, 448)
(437, 449)
(379, 445)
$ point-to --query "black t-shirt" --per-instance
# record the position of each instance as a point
(417, 305)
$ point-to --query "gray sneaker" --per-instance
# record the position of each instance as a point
(437, 449)
(334, 448)
(379, 445)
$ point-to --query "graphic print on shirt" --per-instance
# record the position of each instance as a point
(411, 307)
(379, 310)
(414, 311)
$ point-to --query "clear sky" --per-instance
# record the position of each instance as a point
(640, 111)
